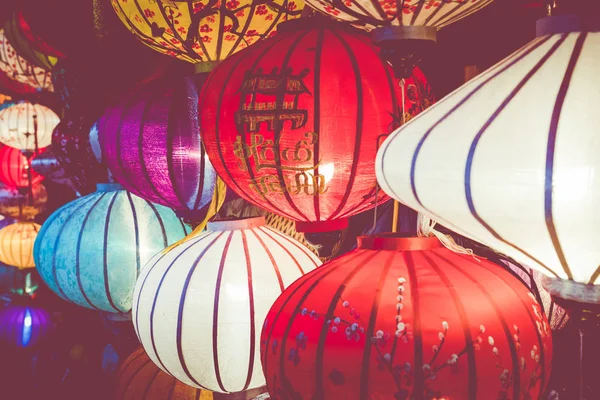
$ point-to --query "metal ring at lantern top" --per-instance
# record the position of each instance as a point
(236, 224)
(398, 242)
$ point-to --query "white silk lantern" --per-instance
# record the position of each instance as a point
(198, 308)
(510, 159)
(27, 126)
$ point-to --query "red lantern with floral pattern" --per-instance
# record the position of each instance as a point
(406, 318)
(293, 123)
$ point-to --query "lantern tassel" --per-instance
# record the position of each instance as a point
(426, 228)
(215, 205)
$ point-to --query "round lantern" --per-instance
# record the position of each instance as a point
(206, 32)
(151, 144)
(521, 177)
(139, 378)
(15, 169)
(404, 30)
(16, 244)
(27, 126)
(406, 318)
(198, 308)
(20, 70)
(91, 250)
(71, 144)
(23, 205)
(24, 326)
(292, 124)
(14, 29)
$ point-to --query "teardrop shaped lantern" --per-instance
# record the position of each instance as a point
(406, 318)
(292, 124)
(204, 32)
(139, 378)
(14, 29)
(510, 160)
(91, 250)
(24, 326)
(16, 244)
(23, 204)
(27, 127)
(405, 30)
(15, 169)
(151, 144)
(198, 308)
(21, 70)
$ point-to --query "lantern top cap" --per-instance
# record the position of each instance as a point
(398, 242)
(108, 187)
(236, 224)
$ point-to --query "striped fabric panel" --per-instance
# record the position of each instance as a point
(18, 126)
(16, 244)
(224, 283)
(508, 159)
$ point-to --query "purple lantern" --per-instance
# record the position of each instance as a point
(23, 326)
(151, 144)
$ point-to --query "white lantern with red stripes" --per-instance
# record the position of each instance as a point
(198, 308)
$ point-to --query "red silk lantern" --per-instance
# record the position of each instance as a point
(406, 318)
(15, 169)
(292, 123)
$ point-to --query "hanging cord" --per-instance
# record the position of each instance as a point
(426, 228)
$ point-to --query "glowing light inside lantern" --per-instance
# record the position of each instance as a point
(26, 336)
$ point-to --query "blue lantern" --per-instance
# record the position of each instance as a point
(90, 251)
(23, 326)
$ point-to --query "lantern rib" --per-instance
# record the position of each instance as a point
(319, 358)
(135, 373)
(252, 350)
(181, 309)
(105, 251)
(215, 334)
(244, 29)
(464, 319)
(161, 223)
(170, 136)
(556, 113)
(200, 41)
(308, 253)
(317, 115)
(419, 379)
(77, 252)
(272, 259)
(266, 232)
(155, 300)
(136, 230)
(513, 351)
(176, 34)
(364, 374)
(359, 125)
(152, 380)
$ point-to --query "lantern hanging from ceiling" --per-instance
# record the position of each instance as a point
(223, 282)
(204, 32)
(139, 378)
(91, 250)
(14, 31)
(15, 169)
(19, 69)
(404, 318)
(71, 144)
(16, 244)
(27, 127)
(24, 326)
(292, 124)
(521, 177)
(405, 30)
(151, 144)
(23, 204)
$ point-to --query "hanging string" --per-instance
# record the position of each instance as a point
(426, 228)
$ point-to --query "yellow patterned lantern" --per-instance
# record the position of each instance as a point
(16, 244)
(205, 31)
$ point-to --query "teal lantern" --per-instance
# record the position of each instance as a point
(90, 251)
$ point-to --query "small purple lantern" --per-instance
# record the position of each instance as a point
(151, 144)
(23, 326)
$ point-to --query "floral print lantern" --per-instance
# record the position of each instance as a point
(139, 378)
(27, 127)
(16, 244)
(292, 124)
(204, 31)
(91, 250)
(406, 318)
(16, 170)
(405, 30)
(151, 144)
(17, 33)
(21, 70)
(198, 308)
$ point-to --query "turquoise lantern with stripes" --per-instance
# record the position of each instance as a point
(91, 250)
